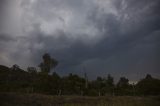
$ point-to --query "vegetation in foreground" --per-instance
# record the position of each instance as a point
(32, 82)
(33, 88)
(17, 99)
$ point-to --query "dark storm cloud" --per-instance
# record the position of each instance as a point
(120, 37)
(6, 38)
(128, 47)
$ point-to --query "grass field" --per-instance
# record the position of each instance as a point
(17, 99)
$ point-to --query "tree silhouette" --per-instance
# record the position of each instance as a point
(48, 63)
(32, 70)
(123, 82)
(110, 80)
(149, 86)
(123, 87)
(15, 67)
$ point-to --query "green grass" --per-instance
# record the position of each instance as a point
(17, 99)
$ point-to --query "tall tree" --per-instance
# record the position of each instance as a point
(123, 87)
(48, 63)
(148, 86)
(110, 80)
(123, 82)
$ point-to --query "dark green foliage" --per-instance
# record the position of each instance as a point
(17, 80)
(102, 86)
(14, 79)
(32, 70)
(123, 82)
(72, 85)
(149, 86)
(123, 87)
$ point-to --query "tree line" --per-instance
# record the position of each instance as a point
(15, 79)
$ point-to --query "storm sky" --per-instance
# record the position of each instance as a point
(117, 37)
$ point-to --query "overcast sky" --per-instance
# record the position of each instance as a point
(117, 37)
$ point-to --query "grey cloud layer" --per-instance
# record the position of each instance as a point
(120, 37)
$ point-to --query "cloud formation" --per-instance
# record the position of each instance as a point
(119, 37)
